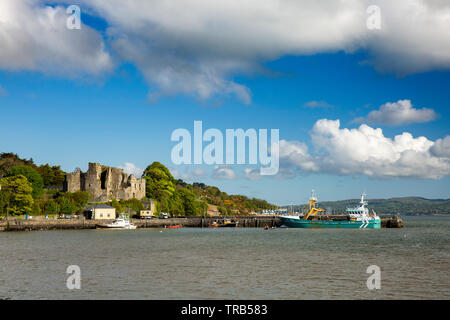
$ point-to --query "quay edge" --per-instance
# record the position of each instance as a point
(194, 222)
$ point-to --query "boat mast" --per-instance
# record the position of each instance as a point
(312, 206)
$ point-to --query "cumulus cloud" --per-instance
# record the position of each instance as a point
(441, 147)
(34, 37)
(188, 175)
(223, 172)
(398, 113)
(296, 153)
(366, 151)
(131, 168)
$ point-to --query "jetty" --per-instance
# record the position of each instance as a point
(188, 222)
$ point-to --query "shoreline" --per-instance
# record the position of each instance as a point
(190, 222)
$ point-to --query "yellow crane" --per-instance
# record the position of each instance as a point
(312, 206)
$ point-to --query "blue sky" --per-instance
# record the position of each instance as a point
(109, 116)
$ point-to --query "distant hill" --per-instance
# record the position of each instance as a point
(403, 206)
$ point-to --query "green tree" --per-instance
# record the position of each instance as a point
(79, 198)
(133, 204)
(4, 201)
(9, 160)
(31, 175)
(116, 204)
(51, 175)
(160, 183)
(191, 205)
(17, 190)
(37, 208)
(71, 202)
(66, 206)
(176, 204)
(51, 207)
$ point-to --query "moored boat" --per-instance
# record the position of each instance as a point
(214, 224)
(358, 217)
(225, 223)
(122, 222)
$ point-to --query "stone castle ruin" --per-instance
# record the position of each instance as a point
(105, 183)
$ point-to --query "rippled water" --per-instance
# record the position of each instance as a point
(229, 263)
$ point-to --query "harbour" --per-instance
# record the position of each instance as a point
(230, 263)
(188, 222)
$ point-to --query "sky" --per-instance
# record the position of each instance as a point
(360, 95)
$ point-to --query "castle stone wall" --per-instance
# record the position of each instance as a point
(105, 183)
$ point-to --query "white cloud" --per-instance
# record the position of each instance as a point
(296, 153)
(441, 147)
(223, 172)
(131, 168)
(398, 113)
(366, 151)
(252, 173)
(285, 173)
(414, 37)
(34, 37)
(199, 48)
(317, 104)
(189, 175)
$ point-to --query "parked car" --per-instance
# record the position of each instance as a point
(163, 215)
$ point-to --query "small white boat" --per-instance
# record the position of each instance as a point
(122, 222)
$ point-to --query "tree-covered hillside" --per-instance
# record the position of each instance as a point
(27, 189)
(181, 198)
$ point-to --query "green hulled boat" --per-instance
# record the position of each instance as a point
(357, 217)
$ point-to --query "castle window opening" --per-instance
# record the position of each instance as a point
(103, 180)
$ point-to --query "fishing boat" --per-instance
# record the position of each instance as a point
(122, 222)
(225, 223)
(357, 217)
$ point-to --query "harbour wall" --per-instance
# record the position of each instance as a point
(194, 222)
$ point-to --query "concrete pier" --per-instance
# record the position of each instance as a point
(190, 222)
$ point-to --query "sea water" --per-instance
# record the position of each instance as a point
(229, 263)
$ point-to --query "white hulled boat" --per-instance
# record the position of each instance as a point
(122, 222)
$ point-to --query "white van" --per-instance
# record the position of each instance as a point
(163, 215)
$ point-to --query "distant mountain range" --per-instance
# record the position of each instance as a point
(397, 206)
